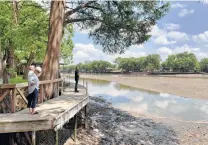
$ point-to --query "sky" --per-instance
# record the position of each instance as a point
(183, 28)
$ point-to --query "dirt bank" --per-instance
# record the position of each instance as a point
(181, 86)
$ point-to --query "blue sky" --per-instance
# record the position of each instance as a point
(184, 28)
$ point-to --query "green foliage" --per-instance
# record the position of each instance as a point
(150, 62)
(183, 62)
(5, 25)
(30, 35)
(67, 45)
(96, 66)
(16, 80)
(116, 25)
(204, 64)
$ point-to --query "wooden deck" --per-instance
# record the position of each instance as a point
(53, 114)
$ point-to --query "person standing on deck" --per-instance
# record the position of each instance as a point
(33, 90)
(30, 73)
(76, 79)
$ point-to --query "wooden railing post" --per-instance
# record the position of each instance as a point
(62, 85)
(58, 87)
(13, 101)
(87, 88)
(41, 94)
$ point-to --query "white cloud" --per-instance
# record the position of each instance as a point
(185, 12)
(137, 46)
(88, 52)
(202, 37)
(201, 55)
(163, 40)
(165, 37)
(172, 26)
(184, 48)
(164, 50)
(178, 5)
(177, 35)
(83, 52)
(131, 54)
(156, 31)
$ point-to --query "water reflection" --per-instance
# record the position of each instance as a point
(147, 102)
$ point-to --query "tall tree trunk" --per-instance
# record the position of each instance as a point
(11, 56)
(51, 61)
(29, 62)
(1, 63)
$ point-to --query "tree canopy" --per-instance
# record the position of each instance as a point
(204, 65)
(183, 62)
(116, 25)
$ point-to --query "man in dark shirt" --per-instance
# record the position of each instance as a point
(76, 79)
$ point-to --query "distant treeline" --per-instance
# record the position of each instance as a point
(182, 62)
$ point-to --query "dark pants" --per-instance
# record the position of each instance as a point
(32, 99)
(76, 84)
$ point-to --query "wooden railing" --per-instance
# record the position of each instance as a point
(20, 89)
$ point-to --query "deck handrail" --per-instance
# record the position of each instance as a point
(15, 89)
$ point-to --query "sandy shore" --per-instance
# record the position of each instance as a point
(193, 87)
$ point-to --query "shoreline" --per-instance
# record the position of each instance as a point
(109, 125)
(180, 86)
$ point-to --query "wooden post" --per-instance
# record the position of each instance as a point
(87, 88)
(57, 139)
(62, 85)
(41, 94)
(13, 102)
(86, 117)
(75, 128)
(11, 140)
(33, 138)
(58, 87)
(83, 82)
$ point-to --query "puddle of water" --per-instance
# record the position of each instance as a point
(151, 103)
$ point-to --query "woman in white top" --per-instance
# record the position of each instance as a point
(33, 90)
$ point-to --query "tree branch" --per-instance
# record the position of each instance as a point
(68, 21)
(78, 8)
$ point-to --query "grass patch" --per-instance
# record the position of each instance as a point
(17, 80)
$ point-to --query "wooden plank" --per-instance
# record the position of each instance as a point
(86, 117)
(7, 86)
(22, 95)
(24, 126)
(41, 94)
(13, 101)
(68, 114)
(28, 137)
(53, 114)
(57, 138)
(4, 95)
